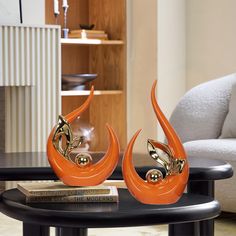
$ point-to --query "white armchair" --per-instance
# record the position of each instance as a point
(199, 118)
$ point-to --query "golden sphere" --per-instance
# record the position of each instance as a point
(153, 176)
(83, 159)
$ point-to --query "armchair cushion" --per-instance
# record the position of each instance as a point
(229, 127)
(223, 149)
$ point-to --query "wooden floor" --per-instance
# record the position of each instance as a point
(225, 225)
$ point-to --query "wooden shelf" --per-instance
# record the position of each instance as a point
(87, 92)
(91, 42)
(107, 58)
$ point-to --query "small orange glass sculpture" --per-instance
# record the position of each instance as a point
(81, 172)
(158, 188)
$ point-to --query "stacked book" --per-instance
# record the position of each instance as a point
(59, 192)
(88, 34)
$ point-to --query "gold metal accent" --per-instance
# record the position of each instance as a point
(154, 176)
(83, 159)
(171, 165)
(63, 129)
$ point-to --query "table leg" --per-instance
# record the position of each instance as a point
(63, 231)
(202, 228)
(35, 230)
(185, 229)
(204, 188)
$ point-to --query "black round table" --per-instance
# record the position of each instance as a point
(203, 173)
(74, 219)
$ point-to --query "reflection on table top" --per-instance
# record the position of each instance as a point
(35, 166)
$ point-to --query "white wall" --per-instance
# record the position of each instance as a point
(141, 69)
(211, 39)
(33, 12)
(156, 50)
(171, 54)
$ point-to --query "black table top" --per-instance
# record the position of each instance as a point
(128, 212)
(34, 166)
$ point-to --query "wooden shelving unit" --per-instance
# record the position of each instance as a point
(107, 58)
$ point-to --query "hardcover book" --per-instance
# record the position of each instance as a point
(112, 196)
(87, 31)
(59, 189)
(89, 34)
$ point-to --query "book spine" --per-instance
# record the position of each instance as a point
(89, 36)
(76, 198)
(87, 31)
(66, 192)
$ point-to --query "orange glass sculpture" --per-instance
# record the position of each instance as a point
(158, 188)
(81, 172)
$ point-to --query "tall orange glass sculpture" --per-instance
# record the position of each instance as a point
(158, 188)
(81, 171)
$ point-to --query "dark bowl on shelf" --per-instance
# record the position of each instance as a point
(76, 81)
(86, 27)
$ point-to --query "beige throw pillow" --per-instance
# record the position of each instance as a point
(229, 127)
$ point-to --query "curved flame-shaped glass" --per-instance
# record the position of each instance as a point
(158, 188)
(81, 172)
